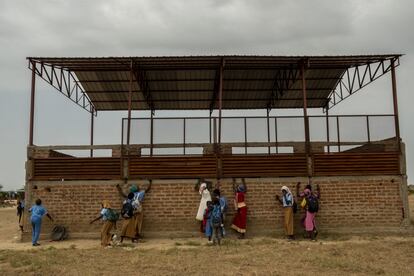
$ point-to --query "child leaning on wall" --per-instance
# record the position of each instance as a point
(37, 212)
(207, 227)
(109, 217)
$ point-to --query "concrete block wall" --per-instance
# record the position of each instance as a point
(357, 202)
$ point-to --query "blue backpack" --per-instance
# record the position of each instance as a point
(216, 216)
(223, 203)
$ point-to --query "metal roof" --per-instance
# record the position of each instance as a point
(191, 82)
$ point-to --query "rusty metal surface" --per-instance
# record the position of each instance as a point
(190, 82)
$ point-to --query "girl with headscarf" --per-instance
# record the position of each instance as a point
(309, 222)
(240, 219)
(132, 227)
(108, 224)
(287, 202)
(205, 196)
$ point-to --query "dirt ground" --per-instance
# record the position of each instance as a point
(333, 255)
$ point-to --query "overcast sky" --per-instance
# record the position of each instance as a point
(209, 27)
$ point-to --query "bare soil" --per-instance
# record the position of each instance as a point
(333, 255)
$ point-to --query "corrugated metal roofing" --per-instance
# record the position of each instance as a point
(191, 82)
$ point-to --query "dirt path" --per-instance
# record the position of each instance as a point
(9, 227)
(9, 237)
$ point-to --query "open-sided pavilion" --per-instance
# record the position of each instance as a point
(217, 83)
(218, 147)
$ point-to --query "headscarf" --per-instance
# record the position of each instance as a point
(106, 204)
(285, 188)
(133, 188)
(203, 186)
(241, 188)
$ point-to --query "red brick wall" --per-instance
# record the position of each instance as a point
(170, 207)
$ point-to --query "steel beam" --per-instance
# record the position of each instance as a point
(327, 130)
(152, 134)
(92, 129)
(142, 82)
(220, 100)
(395, 103)
(305, 116)
(305, 106)
(65, 82)
(215, 91)
(32, 105)
(268, 129)
(129, 105)
(355, 78)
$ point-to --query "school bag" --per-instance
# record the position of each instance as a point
(59, 233)
(216, 215)
(223, 204)
(127, 210)
(295, 207)
(313, 204)
(136, 204)
(112, 215)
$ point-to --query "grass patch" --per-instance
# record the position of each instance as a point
(17, 261)
(261, 256)
(192, 243)
(126, 245)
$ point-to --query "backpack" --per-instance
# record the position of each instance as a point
(313, 204)
(127, 210)
(59, 233)
(112, 215)
(295, 207)
(216, 215)
(224, 200)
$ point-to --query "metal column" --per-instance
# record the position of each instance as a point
(92, 127)
(152, 134)
(327, 129)
(305, 115)
(32, 104)
(220, 102)
(218, 154)
(129, 105)
(395, 102)
(268, 131)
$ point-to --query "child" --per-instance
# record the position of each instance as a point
(109, 217)
(20, 212)
(38, 211)
(216, 221)
(310, 203)
(129, 209)
(204, 198)
(223, 207)
(207, 227)
(240, 218)
(288, 204)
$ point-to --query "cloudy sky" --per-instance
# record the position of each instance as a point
(188, 27)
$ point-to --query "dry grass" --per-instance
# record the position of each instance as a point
(332, 255)
(385, 256)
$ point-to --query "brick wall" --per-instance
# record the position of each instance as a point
(171, 205)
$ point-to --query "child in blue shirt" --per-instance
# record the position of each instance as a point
(37, 211)
(208, 229)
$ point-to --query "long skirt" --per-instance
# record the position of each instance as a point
(106, 233)
(288, 220)
(131, 228)
(310, 221)
(240, 219)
